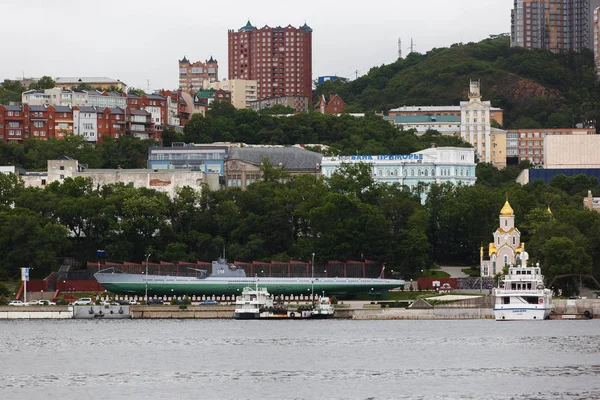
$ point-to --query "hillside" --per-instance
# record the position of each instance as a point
(535, 88)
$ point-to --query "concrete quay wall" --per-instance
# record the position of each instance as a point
(43, 312)
(402, 313)
(174, 312)
(577, 306)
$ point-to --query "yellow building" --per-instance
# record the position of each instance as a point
(242, 90)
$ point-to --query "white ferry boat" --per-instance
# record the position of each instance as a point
(523, 295)
(252, 303)
(258, 303)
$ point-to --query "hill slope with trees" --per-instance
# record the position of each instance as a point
(535, 88)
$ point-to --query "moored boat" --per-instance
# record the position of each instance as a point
(523, 296)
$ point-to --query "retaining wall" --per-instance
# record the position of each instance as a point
(43, 312)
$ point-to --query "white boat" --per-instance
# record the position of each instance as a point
(258, 303)
(323, 309)
(252, 303)
(523, 296)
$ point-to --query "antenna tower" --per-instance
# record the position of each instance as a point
(412, 45)
(399, 47)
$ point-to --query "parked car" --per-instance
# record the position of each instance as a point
(84, 301)
(109, 303)
(122, 302)
(155, 301)
(46, 303)
(132, 302)
(208, 303)
(33, 303)
(16, 303)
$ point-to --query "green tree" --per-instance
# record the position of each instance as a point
(46, 82)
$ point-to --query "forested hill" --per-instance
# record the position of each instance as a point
(535, 88)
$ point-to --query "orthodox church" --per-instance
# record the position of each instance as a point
(506, 248)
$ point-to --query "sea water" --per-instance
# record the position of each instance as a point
(325, 359)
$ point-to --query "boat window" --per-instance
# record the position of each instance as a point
(531, 299)
(506, 300)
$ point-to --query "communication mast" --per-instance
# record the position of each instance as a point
(412, 45)
(399, 47)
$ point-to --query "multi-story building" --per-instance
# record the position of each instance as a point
(528, 144)
(475, 126)
(417, 170)
(333, 105)
(297, 103)
(63, 120)
(155, 104)
(177, 116)
(192, 75)
(96, 82)
(85, 122)
(496, 114)
(140, 124)
(80, 98)
(279, 59)
(40, 123)
(475, 123)
(596, 34)
(112, 123)
(444, 124)
(242, 90)
(202, 157)
(553, 24)
(243, 164)
(166, 181)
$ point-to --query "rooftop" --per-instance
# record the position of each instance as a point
(291, 158)
(86, 79)
(424, 119)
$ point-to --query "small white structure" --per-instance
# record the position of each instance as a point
(166, 181)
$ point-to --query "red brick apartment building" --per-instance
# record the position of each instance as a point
(191, 75)
(279, 59)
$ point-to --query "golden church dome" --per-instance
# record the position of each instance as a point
(507, 210)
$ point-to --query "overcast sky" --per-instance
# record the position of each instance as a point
(138, 41)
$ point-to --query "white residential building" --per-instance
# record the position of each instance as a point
(475, 122)
(85, 122)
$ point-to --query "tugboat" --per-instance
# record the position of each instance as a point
(523, 296)
(323, 309)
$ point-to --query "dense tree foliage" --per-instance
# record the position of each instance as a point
(535, 88)
(345, 217)
(344, 134)
(127, 152)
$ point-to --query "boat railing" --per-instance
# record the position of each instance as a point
(110, 270)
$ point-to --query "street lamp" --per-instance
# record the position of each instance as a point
(312, 279)
(147, 258)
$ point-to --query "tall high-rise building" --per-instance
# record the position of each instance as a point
(279, 59)
(191, 75)
(553, 25)
(596, 31)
